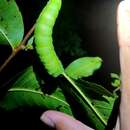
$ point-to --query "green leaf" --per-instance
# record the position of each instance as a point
(27, 92)
(83, 67)
(114, 75)
(93, 87)
(104, 105)
(116, 81)
(11, 23)
(98, 115)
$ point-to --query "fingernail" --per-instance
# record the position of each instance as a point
(47, 120)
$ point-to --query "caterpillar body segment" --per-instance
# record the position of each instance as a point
(43, 38)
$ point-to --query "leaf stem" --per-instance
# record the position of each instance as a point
(20, 47)
(84, 97)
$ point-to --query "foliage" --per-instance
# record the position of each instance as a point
(116, 82)
(27, 88)
(10, 16)
(83, 67)
(27, 92)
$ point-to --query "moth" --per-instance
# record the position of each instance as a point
(43, 38)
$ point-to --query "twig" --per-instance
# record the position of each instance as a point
(16, 50)
(27, 36)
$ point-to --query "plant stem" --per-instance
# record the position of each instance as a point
(20, 47)
(27, 35)
(86, 99)
(8, 60)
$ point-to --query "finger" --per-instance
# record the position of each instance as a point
(61, 121)
(127, 1)
(123, 21)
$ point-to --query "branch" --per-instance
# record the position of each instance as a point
(27, 36)
(19, 48)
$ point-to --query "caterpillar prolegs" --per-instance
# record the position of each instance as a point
(43, 38)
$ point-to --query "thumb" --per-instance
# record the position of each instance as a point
(61, 121)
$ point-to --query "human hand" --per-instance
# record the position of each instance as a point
(123, 29)
(61, 121)
(123, 23)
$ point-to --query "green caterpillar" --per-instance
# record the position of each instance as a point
(43, 38)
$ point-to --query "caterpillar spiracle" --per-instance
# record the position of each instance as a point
(43, 38)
